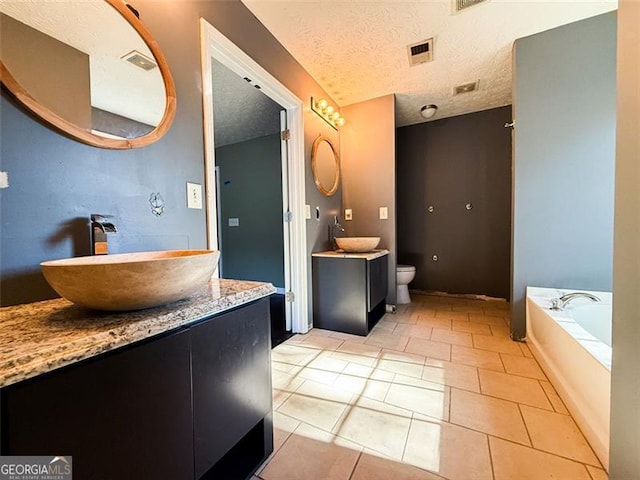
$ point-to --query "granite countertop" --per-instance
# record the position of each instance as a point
(39, 337)
(342, 254)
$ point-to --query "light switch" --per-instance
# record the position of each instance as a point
(384, 213)
(4, 179)
(307, 212)
(234, 222)
(194, 195)
(348, 214)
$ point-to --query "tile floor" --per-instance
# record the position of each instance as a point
(436, 391)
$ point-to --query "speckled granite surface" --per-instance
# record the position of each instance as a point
(342, 254)
(36, 338)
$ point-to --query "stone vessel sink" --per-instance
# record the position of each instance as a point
(357, 244)
(131, 281)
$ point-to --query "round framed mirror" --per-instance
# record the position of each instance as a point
(89, 69)
(325, 166)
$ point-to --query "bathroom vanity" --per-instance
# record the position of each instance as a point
(349, 290)
(175, 392)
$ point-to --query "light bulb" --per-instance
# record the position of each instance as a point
(336, 116)
(340, 121)
(329, 110)
(322, 104)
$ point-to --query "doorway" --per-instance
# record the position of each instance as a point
(218, 52)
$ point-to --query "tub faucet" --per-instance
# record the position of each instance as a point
(563, 301)
(100, 227)
(332, 227)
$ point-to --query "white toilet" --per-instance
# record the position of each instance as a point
(404, 276)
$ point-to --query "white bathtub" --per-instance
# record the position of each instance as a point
(573, 347)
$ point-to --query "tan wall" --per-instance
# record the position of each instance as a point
(54, 73)
(625, 380)
(368, 161)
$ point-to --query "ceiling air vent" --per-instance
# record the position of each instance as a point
(459, 5)
(139, 60)
(466, 88)
(420, 52)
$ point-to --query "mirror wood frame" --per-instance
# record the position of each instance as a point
(84, 136)
(314, 166)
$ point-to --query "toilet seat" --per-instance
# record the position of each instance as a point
(405, 268)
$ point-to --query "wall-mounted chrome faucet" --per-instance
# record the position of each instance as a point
(100, 227)
(563, 301)
(332, 229)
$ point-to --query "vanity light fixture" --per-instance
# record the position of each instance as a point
(428, 111)
(327, 112)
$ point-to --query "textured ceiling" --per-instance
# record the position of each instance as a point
(97, 29)
(357, 51)
(240, 111)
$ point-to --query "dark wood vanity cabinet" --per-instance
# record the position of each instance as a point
(193, 404)
(349, 292)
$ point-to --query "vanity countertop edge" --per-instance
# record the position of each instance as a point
(36, 338)
(342, 254)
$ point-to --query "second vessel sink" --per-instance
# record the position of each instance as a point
(357, 244)
(131, 281)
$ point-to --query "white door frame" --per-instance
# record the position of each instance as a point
(214, 44)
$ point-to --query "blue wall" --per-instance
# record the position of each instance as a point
(564, 155)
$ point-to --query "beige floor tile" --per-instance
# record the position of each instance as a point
(511, 461)
(390, 434)
(322, 342)
(418, 331)
(597, 473)
(512, 387)
(435, 322)
(387, 340)
(359, 349)
(407, 357)
(317, 404)
(418, 382)
(279, 397)
(358, 370)
(374, 467)
(283, 427)
(557, 433)
(526, 351)
(383, 325)
(496, 344)
(310, 454)
(452, 315)
(470, 327)
(486, 319)
(424, 312)
(453, 452)
(374, 389)
(468, 308)
(285, 367)
(318, 375)
(326, 361)
(452, 337)
(285, 381)
(348, 337)
(356, 359)
(523, 366)
(405, 318)
(489, 415)
(554, 398)
(319, 332)
(293, 354)
(501, 331)
(432, 403)
(452, 374)
(409, 369)
(476, 358)
(428, 348)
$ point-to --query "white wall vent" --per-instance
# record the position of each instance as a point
(420, 52)
(466, 88)
(139, 60)
(459, 5)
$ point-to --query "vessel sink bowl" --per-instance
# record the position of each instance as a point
(357, 244)
(131, 281)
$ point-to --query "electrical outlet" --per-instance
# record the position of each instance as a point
(348, 214)
(384, 213)
(4, 179)
(234, 222)
(194, 195)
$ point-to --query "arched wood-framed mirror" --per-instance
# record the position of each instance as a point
(325, 165)
(112, 100)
